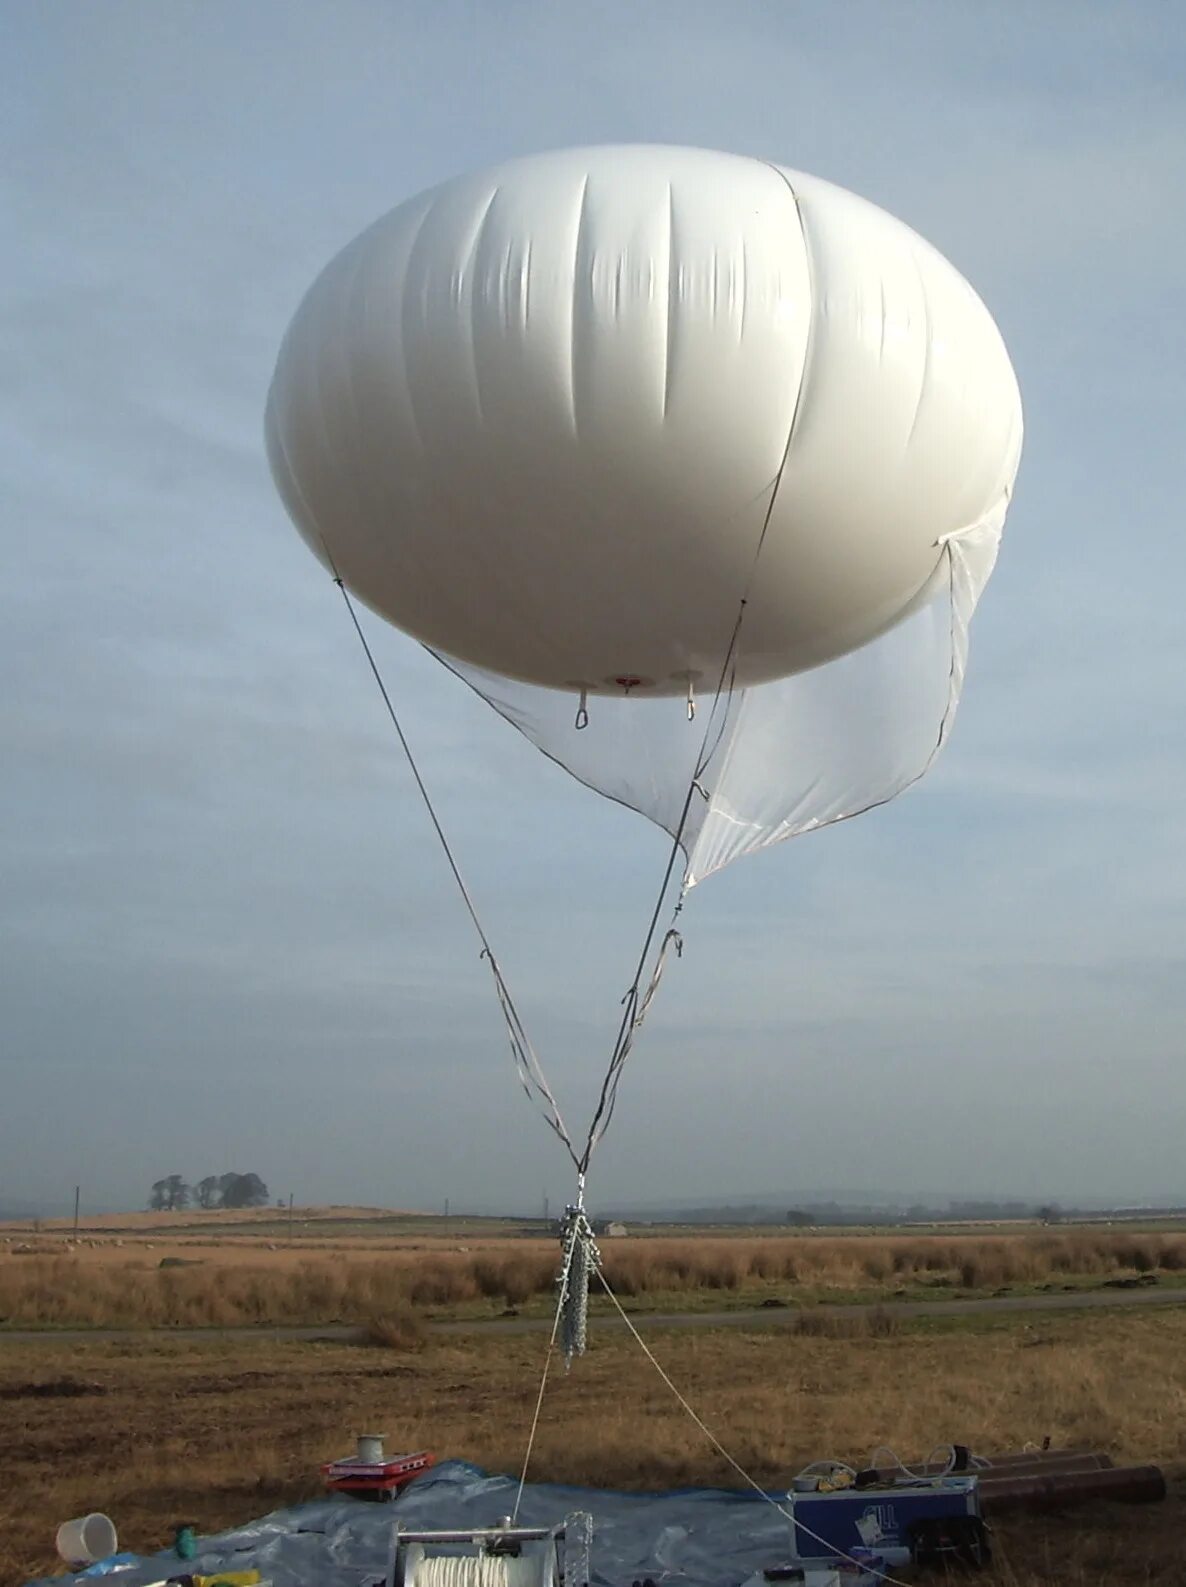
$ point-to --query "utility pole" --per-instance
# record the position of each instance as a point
(546, 1209)
(446, 1206)
(290, 1217)
(77, 1192)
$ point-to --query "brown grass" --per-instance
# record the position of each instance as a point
(137, 1286)
(878, 1322)
(158, 1431)
(401, 1331)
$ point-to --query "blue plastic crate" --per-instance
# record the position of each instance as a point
(830, 1524)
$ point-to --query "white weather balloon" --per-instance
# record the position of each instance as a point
(543, 418)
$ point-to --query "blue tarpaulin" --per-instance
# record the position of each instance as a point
(700, 1537)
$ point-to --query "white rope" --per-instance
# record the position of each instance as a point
(884, 1576)
(827, 1469)
(561, 1296)
(479, 1570)
(946, 1451)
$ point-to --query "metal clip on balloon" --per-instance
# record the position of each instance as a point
(581, 1261)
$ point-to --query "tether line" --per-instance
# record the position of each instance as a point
(530, 1070)
(634, 1011)
(866, 1566)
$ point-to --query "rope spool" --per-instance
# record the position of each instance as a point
(477, 1570)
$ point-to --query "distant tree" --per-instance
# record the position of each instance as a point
(243, 1190)
(798, 1219)
(1051, 1214)
(253, 1191)
(169, 1195)
(206, 1191)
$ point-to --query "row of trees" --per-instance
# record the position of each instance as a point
(172, 1194)
(832, 1212)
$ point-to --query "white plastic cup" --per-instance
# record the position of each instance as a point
(370, 1448)
(86, 1539)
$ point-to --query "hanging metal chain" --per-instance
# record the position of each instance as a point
(581, 1262)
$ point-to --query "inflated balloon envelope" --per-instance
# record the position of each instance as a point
(692, 465)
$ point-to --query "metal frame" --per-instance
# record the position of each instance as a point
(505, 1539)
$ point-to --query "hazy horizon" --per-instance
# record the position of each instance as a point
(643, 1210)
(226, 938)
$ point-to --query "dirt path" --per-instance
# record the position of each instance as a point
(774, 1317)
(766, 1317)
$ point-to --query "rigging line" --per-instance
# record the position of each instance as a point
(527, 1062)
(609, 1085)
(725, 686)
(796, 1523)
(670, 940)
(630, 1001)
(561, 1297)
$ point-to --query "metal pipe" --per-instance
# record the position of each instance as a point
(1053, 1489)
(488, 1534)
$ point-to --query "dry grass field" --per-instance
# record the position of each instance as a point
(155, 1430)
(212, 1278)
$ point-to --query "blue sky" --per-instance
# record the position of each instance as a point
(225, 938)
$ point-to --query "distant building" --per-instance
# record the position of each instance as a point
(616, 1231)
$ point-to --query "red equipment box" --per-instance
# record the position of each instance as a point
(379, 1479)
